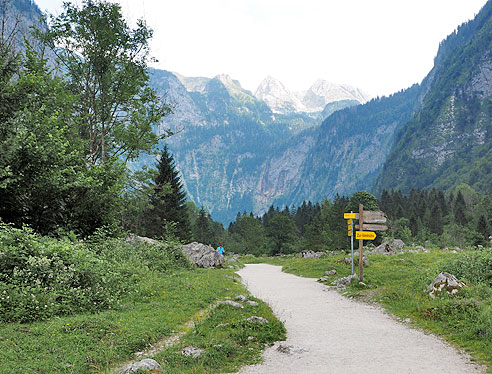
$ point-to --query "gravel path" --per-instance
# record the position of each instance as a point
(339, 335)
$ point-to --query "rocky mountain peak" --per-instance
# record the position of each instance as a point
(278, 97)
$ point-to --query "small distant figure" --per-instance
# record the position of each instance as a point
(220, 249)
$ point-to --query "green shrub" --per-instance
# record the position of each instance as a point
(41, 277)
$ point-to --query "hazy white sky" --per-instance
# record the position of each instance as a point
(380, 46)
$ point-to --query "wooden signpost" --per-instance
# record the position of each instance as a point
(369, 221)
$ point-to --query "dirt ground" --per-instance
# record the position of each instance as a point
(332, 334)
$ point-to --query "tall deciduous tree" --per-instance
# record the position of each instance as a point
(168, 200)
(106, 65)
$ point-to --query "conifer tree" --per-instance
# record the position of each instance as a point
(168, 200)
(459, 210)
(202, 230)
(482, 228)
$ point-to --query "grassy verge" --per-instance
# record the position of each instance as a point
(398, 282)
(86, 343)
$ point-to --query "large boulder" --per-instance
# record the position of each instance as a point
(444, 282)
(203, 255)
(389, 247)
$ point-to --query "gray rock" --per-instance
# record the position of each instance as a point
(347, 260)
(147, 364)
(388, 247)
(343, 282)
(233, 258)
(231, 303)
(323, 279)
(444, 282)
(138, 240)
(240, 298)
(331, 272)
(252, 303)
(260, 320)
(203, 255)
(365, 261)
(192, 351)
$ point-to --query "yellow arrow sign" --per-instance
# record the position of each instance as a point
(366, 235)
(350, 215)
(350, 233)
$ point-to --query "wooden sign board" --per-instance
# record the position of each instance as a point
(374, 216)
(373, 227)
(365, 235)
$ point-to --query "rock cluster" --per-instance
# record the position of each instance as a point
(343, 282)
(444, 282)
(311, 254)
(203, 255)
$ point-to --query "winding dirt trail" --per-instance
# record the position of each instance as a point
(339, 335)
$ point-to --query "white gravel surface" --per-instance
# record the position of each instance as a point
(332, 334)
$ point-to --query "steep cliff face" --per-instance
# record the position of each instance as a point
(450, 139)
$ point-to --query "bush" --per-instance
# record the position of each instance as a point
(42, 277)
(475, 267)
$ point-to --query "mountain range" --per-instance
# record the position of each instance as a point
(243, 151)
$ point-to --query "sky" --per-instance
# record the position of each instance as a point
(380, 46)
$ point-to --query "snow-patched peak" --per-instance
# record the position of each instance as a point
(323, 92)
(278, 97)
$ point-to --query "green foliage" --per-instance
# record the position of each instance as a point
(247, 235)
(475, 267)
(42, 277)
(369, 201)
(283, 234)
(46, 181)
(205, 230)
(105, 63)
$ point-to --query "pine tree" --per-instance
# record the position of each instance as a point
(202, 230)
(168, 200)
(482, 227)
(459, 210)
(435, 221)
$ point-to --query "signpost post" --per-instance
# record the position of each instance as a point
(368, 220)
(361, 241)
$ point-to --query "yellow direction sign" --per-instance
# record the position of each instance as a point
(350, 233)
(350, 215)
(365, 235)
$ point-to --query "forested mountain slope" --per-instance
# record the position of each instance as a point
(449, 142)
(351, 147)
